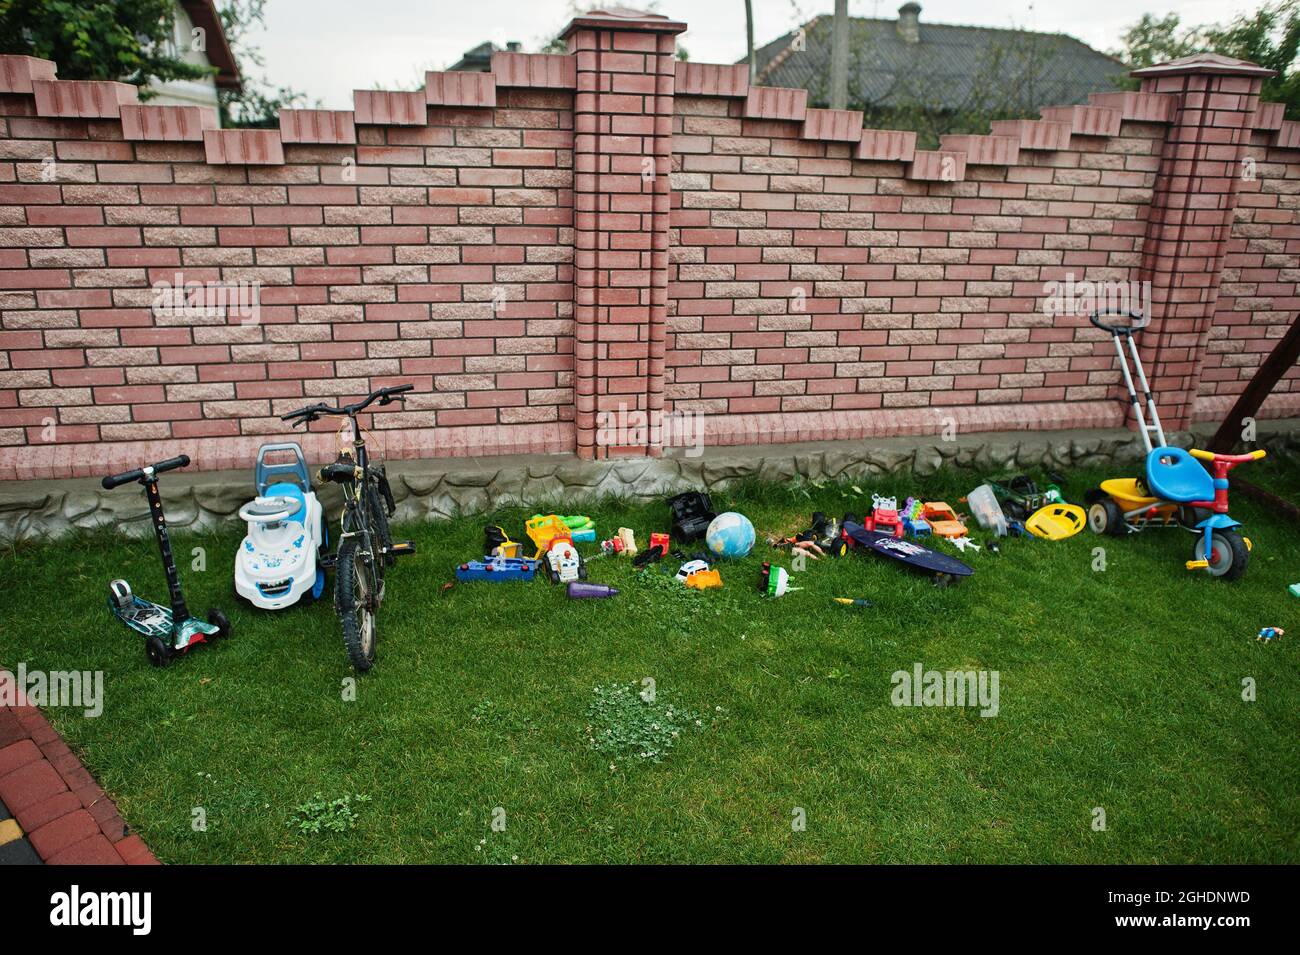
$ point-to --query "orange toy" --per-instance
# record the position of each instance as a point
(942, 520)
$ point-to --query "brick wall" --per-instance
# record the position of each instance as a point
(575, 235)
(1258, 295)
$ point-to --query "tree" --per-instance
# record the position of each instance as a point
(257, 103)
(1270, 37)
(129, 40)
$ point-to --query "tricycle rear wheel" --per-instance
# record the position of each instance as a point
(1105, 517)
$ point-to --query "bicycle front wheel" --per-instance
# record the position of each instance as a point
(356, 593)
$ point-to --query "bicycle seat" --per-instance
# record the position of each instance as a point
(1174, 475)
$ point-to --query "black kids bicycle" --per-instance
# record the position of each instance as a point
(366, 548)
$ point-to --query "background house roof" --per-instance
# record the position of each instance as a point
(203, 13)
(939, 67)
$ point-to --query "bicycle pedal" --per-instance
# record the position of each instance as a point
(1197, 564)
(327, 561)
(402, 548)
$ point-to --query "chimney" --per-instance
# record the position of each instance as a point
(909, 22)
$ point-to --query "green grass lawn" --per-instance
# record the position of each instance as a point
(1119, 689)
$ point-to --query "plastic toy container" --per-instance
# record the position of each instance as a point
(984, 505)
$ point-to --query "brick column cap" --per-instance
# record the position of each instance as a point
(624, 18)
(1205, 63)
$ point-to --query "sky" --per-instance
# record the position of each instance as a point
(327, 48)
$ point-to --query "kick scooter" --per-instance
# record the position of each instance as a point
(167, 631)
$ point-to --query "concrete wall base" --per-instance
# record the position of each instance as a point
(443, 487)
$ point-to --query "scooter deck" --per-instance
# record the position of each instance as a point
(906, 552)
(155, 620)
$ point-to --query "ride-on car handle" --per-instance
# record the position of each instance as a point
(1232, 459)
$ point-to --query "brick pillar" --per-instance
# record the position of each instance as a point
(1191, 216)
(622, 149)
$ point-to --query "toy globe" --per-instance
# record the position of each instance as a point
(730, 535)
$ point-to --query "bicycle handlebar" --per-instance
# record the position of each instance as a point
(1134, 314)
(138, 474)
(384, 396)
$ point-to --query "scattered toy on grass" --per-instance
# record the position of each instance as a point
(944, 568)
(942, 519)
(1056, 521)
(624, 542)
(692, 512)
(963, 544)
(913, 523)
(580, 590)
(544, 530)
(704, 580)
(884, 517)
(730, 535)
(497, 543)
(1268, 633)
(775, 581)
(852, 601)
(822, 538)
(497, 569)
(565, 563)
(691, 567)
(987, 511)
(1294, 590)
(658, 548)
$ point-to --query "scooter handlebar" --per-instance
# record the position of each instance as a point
(126, 477)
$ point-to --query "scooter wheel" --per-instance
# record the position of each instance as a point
(158, 652)
(220, 621)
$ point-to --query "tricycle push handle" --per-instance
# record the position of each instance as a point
(138, 474)
(1133, 314)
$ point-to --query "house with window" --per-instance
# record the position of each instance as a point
(198, 38)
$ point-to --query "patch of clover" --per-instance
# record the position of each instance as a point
(630, 725)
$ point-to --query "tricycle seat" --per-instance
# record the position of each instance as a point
(1174, 475)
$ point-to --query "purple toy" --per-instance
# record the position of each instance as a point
(579, 590)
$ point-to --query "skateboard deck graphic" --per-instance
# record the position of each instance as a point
(906, 552)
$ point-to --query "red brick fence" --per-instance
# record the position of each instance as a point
(570, 236)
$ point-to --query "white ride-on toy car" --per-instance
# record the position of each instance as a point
(278, 563)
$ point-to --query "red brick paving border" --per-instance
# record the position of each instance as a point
(64, 813)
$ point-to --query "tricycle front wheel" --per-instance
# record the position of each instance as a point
(1228, 553)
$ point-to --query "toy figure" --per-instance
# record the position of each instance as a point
(1268, 633)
